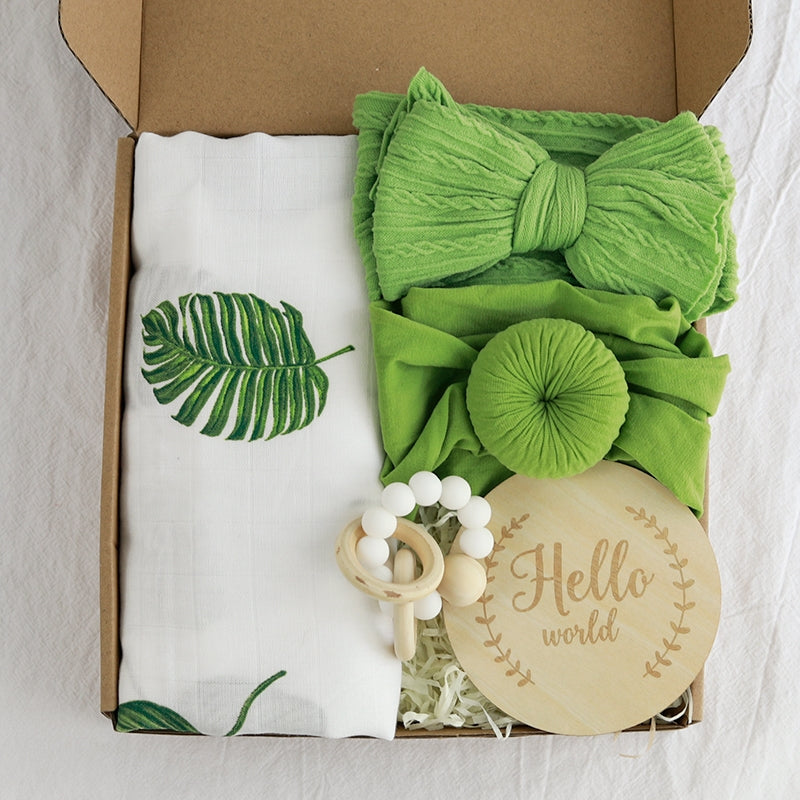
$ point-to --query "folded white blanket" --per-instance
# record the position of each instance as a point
(227, 568)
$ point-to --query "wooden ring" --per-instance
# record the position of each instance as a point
(411, 534)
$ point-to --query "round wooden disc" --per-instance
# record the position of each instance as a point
(601, 605)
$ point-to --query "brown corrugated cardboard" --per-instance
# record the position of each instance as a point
(295, 67)
(106, 37)
(711, 37)
(109, 492)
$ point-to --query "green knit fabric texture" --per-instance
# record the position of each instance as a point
(425, 348)
(546, 398)
(445, 192)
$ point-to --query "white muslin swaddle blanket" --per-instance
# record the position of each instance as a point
(227, 569)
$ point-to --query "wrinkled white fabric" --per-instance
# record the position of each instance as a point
(226, 561)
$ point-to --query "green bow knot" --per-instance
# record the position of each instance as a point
(458, 191)
(552, 209)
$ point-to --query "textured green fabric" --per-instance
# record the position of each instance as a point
(445, 191)
(546, 398)
(574, 139)
(425, 352)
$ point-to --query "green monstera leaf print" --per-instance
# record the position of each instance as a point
(143, 715)
(254, 360)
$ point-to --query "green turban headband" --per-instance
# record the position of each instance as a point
(446, 192)
(546, 398)
(426, 353)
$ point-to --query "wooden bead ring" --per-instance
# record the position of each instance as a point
(405, 588)
(411, 534)
(457, 578)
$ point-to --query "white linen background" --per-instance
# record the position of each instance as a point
(56, 183)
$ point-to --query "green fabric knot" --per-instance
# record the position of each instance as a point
(445, 193)
(552, 209)
(426, 348)
(547, 398)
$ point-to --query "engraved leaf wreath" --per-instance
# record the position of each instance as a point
(682, 583)
(515, 666)
(254, 359)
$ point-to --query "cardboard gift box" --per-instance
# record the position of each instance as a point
(294, 68)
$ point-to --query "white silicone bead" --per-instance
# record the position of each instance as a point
(378, 523)
(476, 542)
(476, 513)
(372, 552)
(428, 607)
(456, 492)
(427, 488)
(398, 499)
(382, 573)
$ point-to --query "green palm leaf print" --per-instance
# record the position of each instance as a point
(253, 360)
(143, 715)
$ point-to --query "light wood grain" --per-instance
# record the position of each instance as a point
(411, 534)
(601, 605)
(464, 579)
(405, 626)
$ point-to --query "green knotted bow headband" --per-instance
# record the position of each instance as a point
(426, 353)
(446, 193)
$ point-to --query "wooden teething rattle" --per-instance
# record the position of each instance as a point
(410, 589)
(363, 554)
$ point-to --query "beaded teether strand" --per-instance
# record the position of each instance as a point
(364, 550)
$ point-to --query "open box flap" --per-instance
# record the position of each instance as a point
(293, 66)
(711, 38)
(106, 37)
